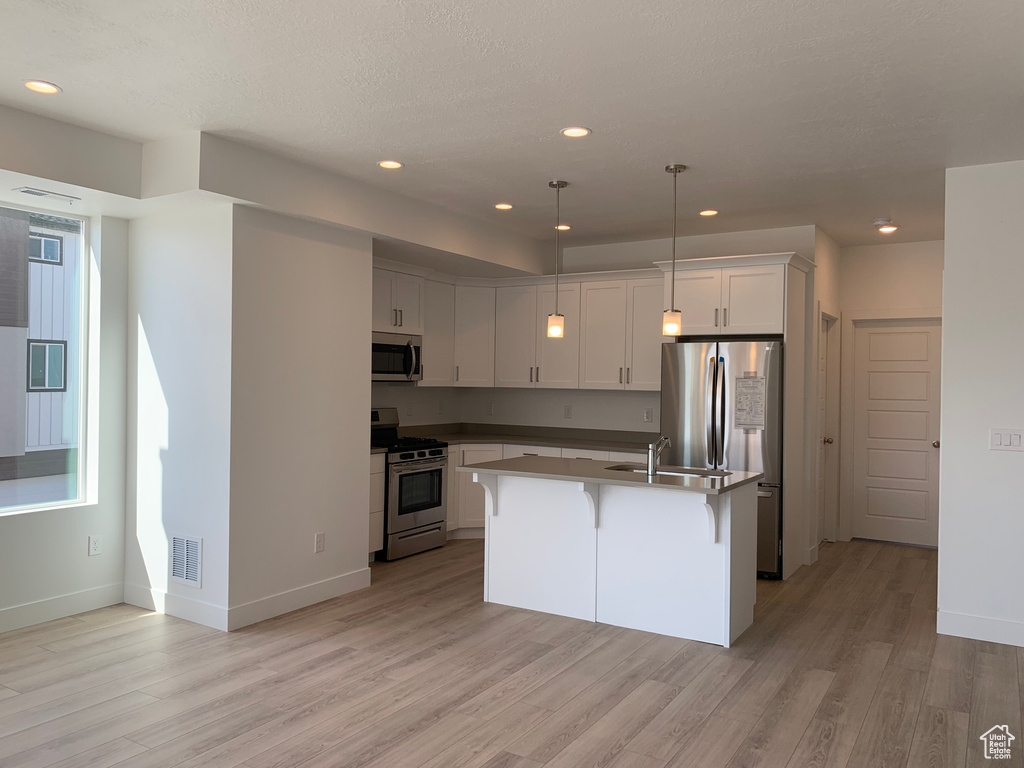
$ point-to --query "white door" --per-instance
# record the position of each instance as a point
(558, 360)
(753, 299)
(515, 336)
(474, 336)
(438, 364)
(383, 315)
(471, 495)
(896, 431)
(643, 335)
(698, 298)
(603, 335)
(409, 302)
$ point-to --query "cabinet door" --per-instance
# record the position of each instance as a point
(753, 299)
(384, 317)
(515, 336)
(558, 360)
(471, 495)
(515, 451)
(643, 334)
(409, 303)
(438, 335)
(603, 341)
(474, 336)
(699, 298)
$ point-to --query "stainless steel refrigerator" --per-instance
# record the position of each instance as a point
(721, 406)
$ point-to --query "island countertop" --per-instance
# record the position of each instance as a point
(590, 471)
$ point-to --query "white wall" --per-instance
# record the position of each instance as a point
(981, 525)
(826, 273)
(12, 390)
(642, 254)
(179, 373)
(300, 399)
(891, 276)
(45, 572)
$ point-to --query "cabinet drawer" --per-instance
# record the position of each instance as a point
(584, 453)
(515, 451)
(626, 457)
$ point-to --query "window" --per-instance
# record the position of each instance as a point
(47, 366)
(48, 249)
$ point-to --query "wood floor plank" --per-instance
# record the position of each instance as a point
(853, 689)
(490, 739)
(713, 744)
(916, 645)
(995, 700)
(889, 617)
(951, 673)
(776, 735)
(825, 744)
(940, 740)
(106, 755)
(888, 730)
(686, 664)
(508, 760)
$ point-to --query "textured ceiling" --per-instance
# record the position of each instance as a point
(788, 112)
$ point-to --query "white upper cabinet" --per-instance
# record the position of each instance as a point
(397, 302)
(558, 360)
(474, 336)
(753, 299)
(620, 335)
(438, 335)
(515, 336)
(699, 299)
(732, 300)
(643, 334)
(603, 334)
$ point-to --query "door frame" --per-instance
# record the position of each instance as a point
(829, 472)
(850, 320)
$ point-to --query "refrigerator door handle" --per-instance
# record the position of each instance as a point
(720, 458)
(710, 446)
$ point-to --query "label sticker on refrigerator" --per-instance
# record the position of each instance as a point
(749, 403)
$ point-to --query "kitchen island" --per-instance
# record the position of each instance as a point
(673, 554)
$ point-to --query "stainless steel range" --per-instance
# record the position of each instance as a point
(416, 497)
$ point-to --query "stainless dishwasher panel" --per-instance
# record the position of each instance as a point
(769, 531)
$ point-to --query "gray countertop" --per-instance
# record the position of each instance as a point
(588, 471)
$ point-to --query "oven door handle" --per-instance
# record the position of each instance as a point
(417, 466)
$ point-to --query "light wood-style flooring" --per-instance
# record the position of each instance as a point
(842, 667)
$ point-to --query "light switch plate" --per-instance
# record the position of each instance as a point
(1006, 440)
(567, 412)
(318, 543)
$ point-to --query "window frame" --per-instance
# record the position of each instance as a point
(60, 248)
(47, 343)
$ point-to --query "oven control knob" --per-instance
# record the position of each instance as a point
(421, 454)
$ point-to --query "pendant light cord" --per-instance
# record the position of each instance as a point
(675, 217)
(558, 223)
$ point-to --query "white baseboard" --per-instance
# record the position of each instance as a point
(812, 555)
(981, 628)
(26, 615)
(190, 609)
(266, 608)
(466, 533)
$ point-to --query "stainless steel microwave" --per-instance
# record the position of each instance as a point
(396, 357)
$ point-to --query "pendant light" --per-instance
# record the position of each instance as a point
(672, 319)
(556, 321)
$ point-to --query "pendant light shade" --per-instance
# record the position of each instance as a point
(672, 318)
(556, 321)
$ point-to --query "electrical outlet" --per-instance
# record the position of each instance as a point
(94, 546)
(489, 409)
(408, 410)
(318, 543)
(648, 415)
(568, 412)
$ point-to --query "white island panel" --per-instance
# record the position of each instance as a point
(542, 548)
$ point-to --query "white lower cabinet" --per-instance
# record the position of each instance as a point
(377, 479)
(584, 453)
(514, 451)
(471, 495)
(626, 456)
(452, 491)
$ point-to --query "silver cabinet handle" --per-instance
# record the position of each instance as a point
(538, 374)
(456, 373)
(725, 317)
(716, 318)
(620, 374)
(394, 320)
(629, 378)
(401, 318)
(531, 374)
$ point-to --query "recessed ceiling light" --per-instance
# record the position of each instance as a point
(576, 132)
(390, 164)
(41, 86)
(709, 212)
(563, 227)
(885, 226)
(504, 206)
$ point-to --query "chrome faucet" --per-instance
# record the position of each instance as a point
(654, 454)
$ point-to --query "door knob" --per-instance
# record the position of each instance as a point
(827, 440)
(935, 443)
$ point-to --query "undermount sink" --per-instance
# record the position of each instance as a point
(672, 471)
